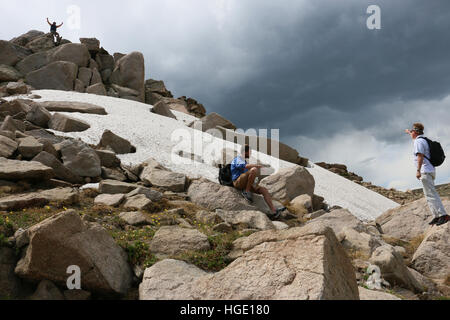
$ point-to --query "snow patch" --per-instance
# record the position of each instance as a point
(157, 137)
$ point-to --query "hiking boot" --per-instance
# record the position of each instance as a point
(434, 221)
(442, 220)
(247, 196)
(277, 213)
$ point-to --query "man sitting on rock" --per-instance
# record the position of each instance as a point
(244, 176)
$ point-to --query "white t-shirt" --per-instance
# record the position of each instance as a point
(421, 146)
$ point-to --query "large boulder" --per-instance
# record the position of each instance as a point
(246, 219)
(25, 38)
(73, 106)
(39, 116)
(157, 87)
(63, 123)
(44, 135)
(156, 175)
(79, 86)
(10, 285)
(393, 268)
(432, 257)
(72, 52)
(61, 172)
(362, 242)
(416, 213)
(64, 240)
(116, 187)
(98, 89)
(288, 183)
(59, 75)
(213, 196)
(33, 62)
(96, 77)
(47, 291)
(134, 218)
(92, 44)
(15, 107)
(129, 72)
(81, 159)
(295, 264)
(173, 240)
(138, 202)
(14, 88)
(125, 92)
(176, 104)
(194, 108)
(14, 170)
(112, 200)
(108, 158)
(65, 196)
(7, 147)
(10, 53)
(164, 179)
(302, 203)
(8, 73)
(41, 43)
(169, 280)
(29, 147)
(163, 110)
(104, 61)
(12, 125)
(85, 75)
(115, 143)
(373, 295)
(211, 121)
(150, 194)
(340, 219)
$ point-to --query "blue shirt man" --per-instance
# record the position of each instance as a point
(244, 175)
(238, 167)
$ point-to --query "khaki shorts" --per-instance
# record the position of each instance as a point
(241, 183)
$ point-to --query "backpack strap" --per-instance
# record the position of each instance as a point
(428, 141)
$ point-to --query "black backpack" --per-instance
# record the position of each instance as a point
(436, 151)
(225, 177)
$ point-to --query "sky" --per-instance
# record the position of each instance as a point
(338, 91)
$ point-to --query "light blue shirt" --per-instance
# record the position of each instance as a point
(238, 167)
(421, 146)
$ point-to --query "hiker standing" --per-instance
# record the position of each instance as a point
(426, 173)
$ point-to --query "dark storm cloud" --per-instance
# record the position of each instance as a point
(327, 70)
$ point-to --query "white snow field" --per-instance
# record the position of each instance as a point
(158, 137)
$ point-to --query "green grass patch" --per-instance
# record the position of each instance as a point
(215, 259)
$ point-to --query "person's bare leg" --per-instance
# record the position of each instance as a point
(251, 179)
(267, 198)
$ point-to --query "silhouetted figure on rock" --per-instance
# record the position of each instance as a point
(54, 32)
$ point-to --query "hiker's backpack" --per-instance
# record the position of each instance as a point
(225, 177)
(436, 151)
